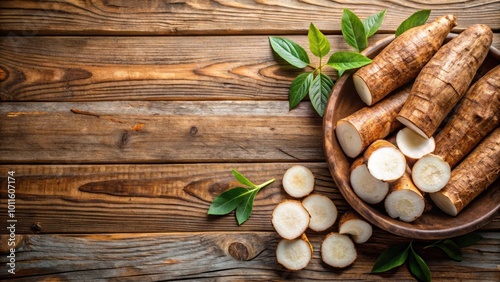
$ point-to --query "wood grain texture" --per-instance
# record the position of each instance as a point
(150, 68)
(219, 17)
(160, 132)
(143, 198)
(231, 256)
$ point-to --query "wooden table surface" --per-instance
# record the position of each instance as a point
(122, 120)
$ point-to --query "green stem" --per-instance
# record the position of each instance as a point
(265, 183)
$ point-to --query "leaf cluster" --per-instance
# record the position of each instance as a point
(316, 84)
(396, 255)
(240, 199)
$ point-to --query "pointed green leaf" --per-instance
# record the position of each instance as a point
(290, 51)
(373, 23)
(227, 201)
(353, 30)
(418, 267)
(340, 72)
(318, 43)
(416, 19)
(467, 239)
(319, 92)
(242, 179)
(299, 88)
(450, 248)
(244, 209)
(347, 60)
(392, 257)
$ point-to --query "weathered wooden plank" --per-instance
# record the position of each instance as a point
(230, 256)
(143, 198)
(146, 198)
(146, 132)
(149, 68)
(218, 17)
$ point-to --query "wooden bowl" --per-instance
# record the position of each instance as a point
(433, 224)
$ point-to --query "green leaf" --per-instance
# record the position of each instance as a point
(242, 179)
(244, 209)
(353, 30)
(416, 19)
(319, 92)
(392, 257)
(373, 23)
(449, 247)
(418, 267)
(228, 201)
(467, 239)
(290, 51)
(318, 43)
(347, 60)
(299, 88)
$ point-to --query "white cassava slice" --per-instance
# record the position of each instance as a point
(294, 254)
(404, 201)
(385, 161)
(322, 210)
(338, 250)
(368, 188)
(413, 145)
(298, 181)
(353, 224)
(290, 219)
(431, 173)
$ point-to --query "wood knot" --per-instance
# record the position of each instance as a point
(238, 251)
(36, 227)
(193, 131)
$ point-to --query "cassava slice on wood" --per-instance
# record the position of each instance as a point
(357, 227)
(384, 160)
(294, 254)
(368, 188)
(338, 250)
(298, 181)
(471, 177)
(358, 130)
(414, 146)
(430, 173)
(322, 210)
(404, 201)
(445, 79)
(290, 219)
(401, 61)
(475, 116)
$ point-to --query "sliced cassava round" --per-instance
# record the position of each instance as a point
(471, 177)
(357, 227)
(338, 250)
(404, 201)
(290, 219)
(368, 188)
(430, 173)
(401, 61)
(384, 160)
(358, 130)
(298, 181)
(413, 145)
(477, 114)
(322, 210)
(445, 79)
(294, 254)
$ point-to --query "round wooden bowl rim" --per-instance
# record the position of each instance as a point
(338, 163)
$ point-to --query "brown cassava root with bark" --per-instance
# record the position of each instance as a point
(445, 79)
(471, 177)
(401, 61)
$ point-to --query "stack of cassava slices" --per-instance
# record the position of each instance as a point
(310, 210)
(427, 129)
